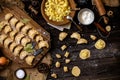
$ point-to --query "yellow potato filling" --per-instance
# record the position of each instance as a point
(56, 10)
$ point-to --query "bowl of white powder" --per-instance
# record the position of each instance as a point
(86, 16)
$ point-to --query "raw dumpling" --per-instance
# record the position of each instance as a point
(62, 36)
(23, 54)
(13, 22)
(8, 16)
(13, 34)
(12, 46)
(25, 41)
(2, 38)
(84, 54)
(3, 24)
(7, 42)
(19, 37)
(75, 35)
(26, 28)
(17, 50)
(7, 29)
(29, 59)
(19, 26)
(82, 41)
(32, 33)
(38, 38)
(42, 44)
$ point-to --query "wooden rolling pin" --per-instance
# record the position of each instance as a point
(101, 10)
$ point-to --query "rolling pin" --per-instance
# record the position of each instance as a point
(101, 10)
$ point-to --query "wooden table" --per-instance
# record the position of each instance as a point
(102, 65)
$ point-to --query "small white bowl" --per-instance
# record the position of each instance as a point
(86, 16)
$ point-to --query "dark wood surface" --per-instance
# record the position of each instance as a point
(103, 64)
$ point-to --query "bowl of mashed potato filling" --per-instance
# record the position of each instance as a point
(55, 11)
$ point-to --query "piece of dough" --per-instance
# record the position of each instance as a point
(65, 69)
(93, 37)
(62, 36)
(84, 54)
(66, 54)
(76, 71)
(54, 75)
(63, 47)
(57, 64)
(75, 35)
(100, 44)
(58, 56)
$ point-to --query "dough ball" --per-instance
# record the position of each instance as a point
(100, 44)
(84, 54)
(76, 71)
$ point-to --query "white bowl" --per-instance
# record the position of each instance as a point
(86, 16)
